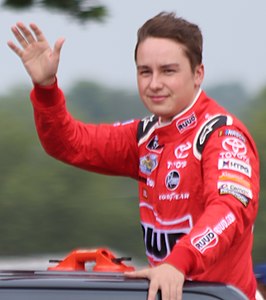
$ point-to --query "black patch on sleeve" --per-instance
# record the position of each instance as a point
(206, 131)
(145, 125)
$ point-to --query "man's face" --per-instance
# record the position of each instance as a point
(166, 83)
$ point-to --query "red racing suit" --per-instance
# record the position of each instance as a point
(198, 180)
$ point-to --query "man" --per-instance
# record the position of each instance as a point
(197, 165)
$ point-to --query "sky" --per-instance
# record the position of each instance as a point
(233, 32)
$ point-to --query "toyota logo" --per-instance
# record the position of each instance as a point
(234, 145)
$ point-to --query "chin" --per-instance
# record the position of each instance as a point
(162, 114)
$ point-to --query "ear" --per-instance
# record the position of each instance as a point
(199, 74)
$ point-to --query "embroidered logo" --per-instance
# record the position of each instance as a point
(154, 145)
(186, 123)
(205, 240)
(181, 152)
(148, 163)
(172, 180)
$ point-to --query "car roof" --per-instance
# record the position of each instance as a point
(104, 282)
(69, 279)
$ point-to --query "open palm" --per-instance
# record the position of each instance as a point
(40, 61)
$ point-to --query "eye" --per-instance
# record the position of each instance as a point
(144, 72)
(169, 71)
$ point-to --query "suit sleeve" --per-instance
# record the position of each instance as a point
(104, 148)
(230, 170)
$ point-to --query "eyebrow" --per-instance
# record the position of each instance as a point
(142, 67)
(176, 65)
(162, 66)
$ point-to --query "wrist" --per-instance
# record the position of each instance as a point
(46, 96)
(48, 82)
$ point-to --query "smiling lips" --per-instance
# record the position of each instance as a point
(158, 98)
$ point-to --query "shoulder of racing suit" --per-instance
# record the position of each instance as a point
(205, 131)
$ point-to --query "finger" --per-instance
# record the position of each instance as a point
(179, 293)
(38, 33)
(58, 46)
(20, 38)
(16, 49)
(153, 290)
(138, 274)
(166, 293)
(174, 292)
(26, 33)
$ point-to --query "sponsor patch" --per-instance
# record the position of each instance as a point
(173, 196)
(205, 240)
(160, 241)
(210, 237)
(150, 182)
(234, 149)
(235, 165)
(148, 163)
(178, 164)
(172, 180)
(243, 199)
(145, 128)
(227, 176)
(181, 152)
(234, 187)
(186, 123)
(233, 133)
(229, 155)
(224, 223)
(206, 131)
(153, 145)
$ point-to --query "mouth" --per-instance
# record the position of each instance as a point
(158, 98)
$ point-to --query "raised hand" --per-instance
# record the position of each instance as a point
(164, 277)
(40, 61)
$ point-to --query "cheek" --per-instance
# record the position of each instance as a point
(175, 85)
(181, 84)
(141, 85)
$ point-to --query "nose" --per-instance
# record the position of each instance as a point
(155, 82)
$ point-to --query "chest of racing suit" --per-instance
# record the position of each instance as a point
(198, 181)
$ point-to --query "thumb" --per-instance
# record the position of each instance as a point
(58, 46)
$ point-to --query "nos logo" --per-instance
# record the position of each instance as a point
(160, 242)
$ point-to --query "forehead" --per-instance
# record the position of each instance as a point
(161, 50)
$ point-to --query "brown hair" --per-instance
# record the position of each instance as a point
(167, 25)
